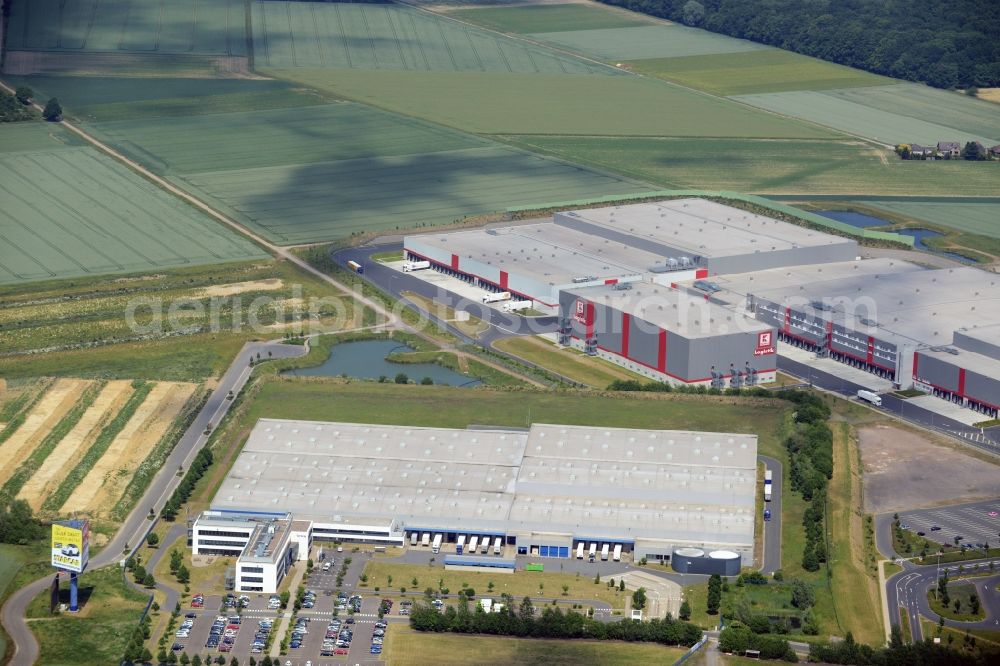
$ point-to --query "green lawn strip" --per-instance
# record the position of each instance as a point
(587, 370)
(54, 501)
(890, 569)
(550, 18)
(98, 635)
(987, 424)
(957, 555)
(34, 461)
(491, 376)
(957, 593)
(17, 417)
(13, 407)
(144, 474)
(904, 625)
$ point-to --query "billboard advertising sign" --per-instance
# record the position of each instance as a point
(71, 545)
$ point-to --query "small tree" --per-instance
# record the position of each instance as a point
(802, 594)
(53, 111)
(24, 94)
(565, 590)
(183, 575)
(196, 661)
(426, 381)
(714, 594)
(685, 611)
(975, 604)
(973, 151)
(639, 598)
(401, 378)
(152, 539)
(621, 585)
(148, 581)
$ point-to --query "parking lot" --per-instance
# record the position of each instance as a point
(976, 523)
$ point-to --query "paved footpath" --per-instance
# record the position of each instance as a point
(286, 617)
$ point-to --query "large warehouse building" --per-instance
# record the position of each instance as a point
(669, 335)
(938, 330)
(710, 235)
(550, 491)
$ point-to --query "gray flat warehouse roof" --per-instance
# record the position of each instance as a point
(705, 228)
(629, 483)
(691, 316)
(922, 306)
(544, 252)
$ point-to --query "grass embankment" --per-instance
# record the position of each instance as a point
(961, 594)
(569, 363)
(405, 646)
(849, 600)
(489, 375)
(16, 409)
(26, 469)
(98, 633)
(205, 578)
(987, 641)
(520, 584)
(470, 326)
(54, 501)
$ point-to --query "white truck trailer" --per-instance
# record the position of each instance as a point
(579, 551)
(617, 556)
(605, 551)
(460, 544)
(425, 539)
(410, 266)
(473, 542)
(436, 546)
(593, 550)
(768, 480)
(413, 538)
(870, 396)
(497, 545)
(496, 297)
(516, 306)
(485, 546)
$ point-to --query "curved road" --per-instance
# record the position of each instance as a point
(908, 590)
(133, 529)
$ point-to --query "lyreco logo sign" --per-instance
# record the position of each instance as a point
(580, 313)
(765, 344)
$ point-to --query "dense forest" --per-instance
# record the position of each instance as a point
(945, 43)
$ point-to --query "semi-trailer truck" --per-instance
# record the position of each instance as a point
(870, 396)
(605, 550)
(410, 266)
(473, 542)
(497, 545)
(579, 551)
(617, 556)
(356, 267)
(485, 545)
(460, 544)
(436, 546)
(425, 539)
(516, 306)
(496, 296)
(768, 477)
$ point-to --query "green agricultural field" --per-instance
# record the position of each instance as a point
(390, 171)
(216, 27)
(968, 115)
(771, 167)
(543, 104)
(297, 204)
(550, 18)
(104, 99)
(854, 111)
(254, 139)
(394, 37)
(771, 70)
(982, 219)
(90, 215)
(651, 41)
(17, 137)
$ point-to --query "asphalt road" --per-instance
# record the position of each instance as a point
(395, 282)
(893, 405)
(135, 526)
(772, 528)
(908, 590)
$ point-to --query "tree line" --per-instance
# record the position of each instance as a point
(199, 465)
(810, 454)
(945, 43)
(551, 623)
